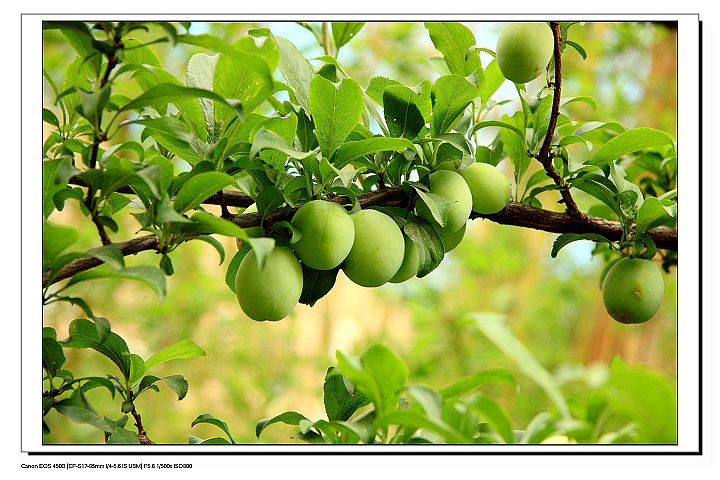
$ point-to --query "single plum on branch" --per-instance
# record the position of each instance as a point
(523, 50)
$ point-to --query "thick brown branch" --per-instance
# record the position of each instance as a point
(516, 214)
(544, 156)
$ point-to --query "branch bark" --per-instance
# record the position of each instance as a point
(516, 214)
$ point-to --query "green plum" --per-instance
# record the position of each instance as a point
(270, 293)
(523, 50)
(489, 187)
(451, 186)
(633, 290)
(378, 250)
(453, 239)
(410, 264)
(328, 233)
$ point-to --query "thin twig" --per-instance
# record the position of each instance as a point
(142, 434)
(544, 156)
(326, 38)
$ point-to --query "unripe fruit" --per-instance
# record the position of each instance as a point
(524, 50)
(327, 234)
(489, 187)
(378, 250)
(410, 264)
(270, 293)
(451, 186)
(452, 240)
(633, 290)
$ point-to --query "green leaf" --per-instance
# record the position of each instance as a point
(257, 62)
(340, 401)
(178, 384)
(122, 436)
(577, 48)
(343, 32)
(492, 78)
(56, 174)
(180, 350)
(235, 78)
(539, 428)
(289, 418)
(297, 71)
(316, 284)
(402, 111)
(454, 40)
(262, 247)
(268, 139)
(137, 367)
(414, 421)
(147, 274)
(598, 190)
(451, 95)
(567, 238)
(430, 400)
(334, 111)
(495, 327)
(590, 126)
(200, 73)
(515, 146)
(209, 419)
(584, 99)
(207, 223)
(216, 245)
(479, 379)
(646, 398)
(438, 205)
(199, 188)
(78, 409)
(629, 142)
(379, 374)
(171, 93)
(429, 242)
(49, 117)
(79, 36)
(490, 411)
(494, 123)
(350, 151)
(53, 357)
(109, 254)
(651, 214)
(90, 383)
(84, 334)
(55, 239)
(376, 87)
(234, 265)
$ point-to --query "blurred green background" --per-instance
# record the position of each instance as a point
(256, 370)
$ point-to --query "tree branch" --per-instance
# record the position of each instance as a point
(544, 156)
(516, 214)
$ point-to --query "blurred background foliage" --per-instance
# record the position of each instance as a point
(256, 370)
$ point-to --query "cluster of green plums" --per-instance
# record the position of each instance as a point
(368, 245)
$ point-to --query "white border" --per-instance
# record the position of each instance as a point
(688, 328)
